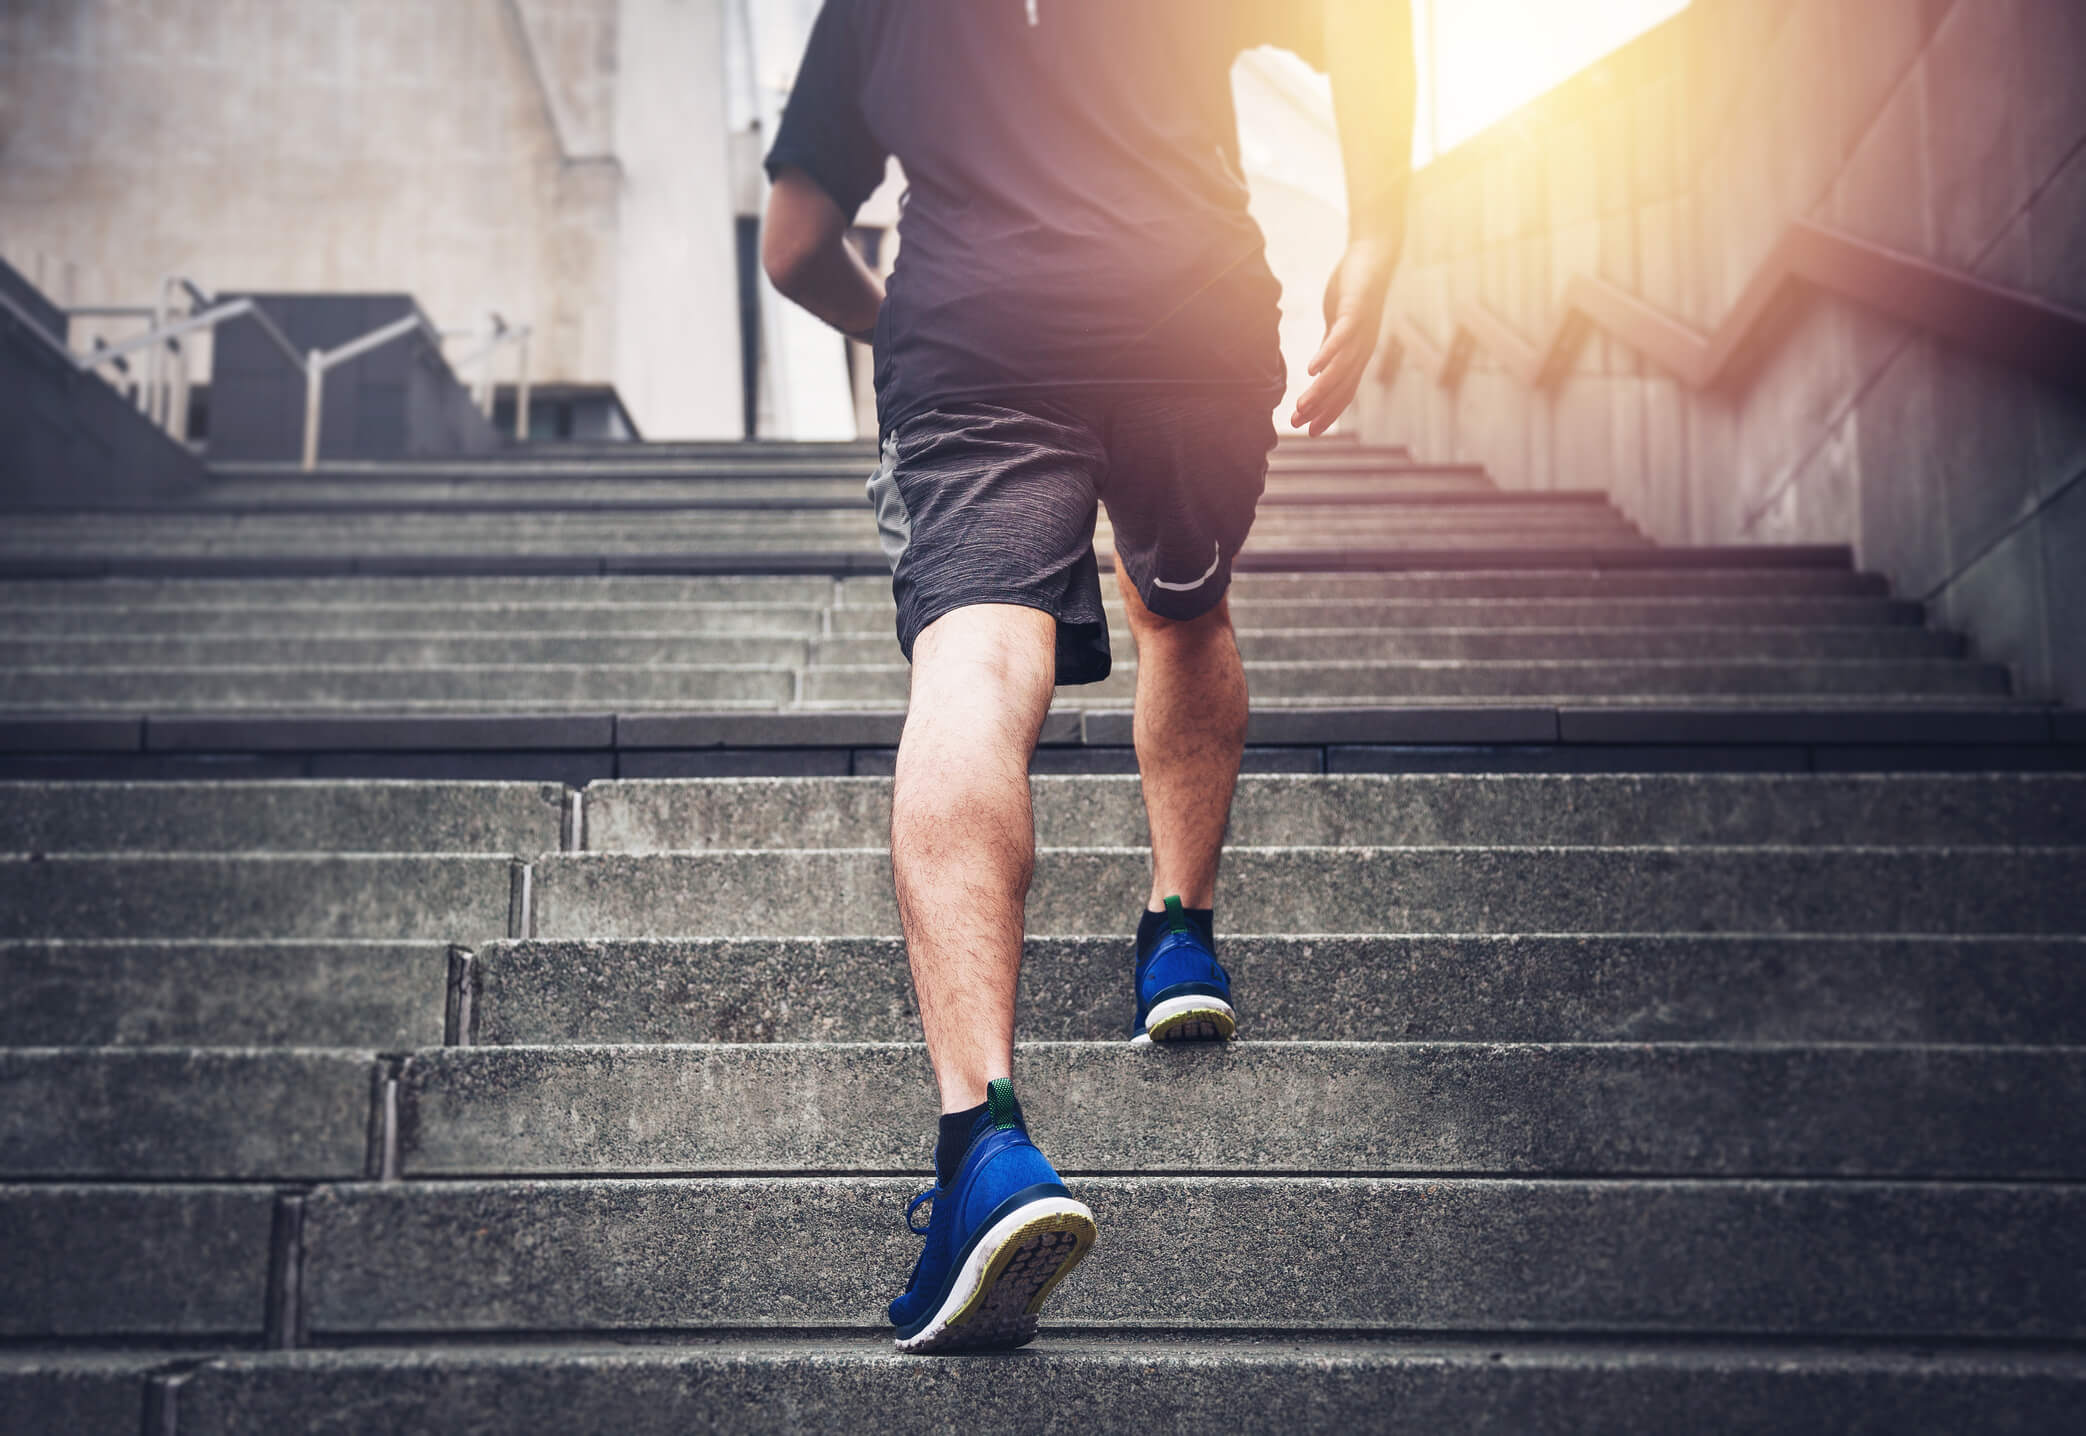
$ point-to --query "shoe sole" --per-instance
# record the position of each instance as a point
(1195, 1018)
(1005, 1280)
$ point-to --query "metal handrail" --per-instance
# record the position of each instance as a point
(502, 334)
(166, 403)
(2003, 324)
(320, 360)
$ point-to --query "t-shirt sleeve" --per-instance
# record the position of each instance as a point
(823, 132)
(1294, 25)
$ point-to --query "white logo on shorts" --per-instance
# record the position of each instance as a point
(1216, 562)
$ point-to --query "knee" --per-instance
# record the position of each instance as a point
(988, 649)
(1212, 625)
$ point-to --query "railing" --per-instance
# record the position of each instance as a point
(2003, 324)
(482, 393)
(162, 390)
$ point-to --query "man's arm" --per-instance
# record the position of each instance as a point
(805, 251)
(1369, 46)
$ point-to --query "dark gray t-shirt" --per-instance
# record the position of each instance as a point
(1076, 211)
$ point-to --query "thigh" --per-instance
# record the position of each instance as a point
(1185, 474)
(994, 503)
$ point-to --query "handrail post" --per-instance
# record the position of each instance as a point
(314, 396)
(177, 394)
(156, 359)
(521, 387)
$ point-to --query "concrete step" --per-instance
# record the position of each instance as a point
(1685, 987)
(1251, 614)
(1444, 889)
(751, 549)
(257, 992)
(1406, 1254)
(356, 614)
(1546, 988)
(603, 687)
(42, 595)
(1337, 890)
(257, 896)
(1721, 1257)
(183, 1114)
(577, 618)
(1088, 1382)
(1256, 1107)
(314, 816)
(1355, 643)
(1693, 581)
(1362, 682)
(437, 648)
(111, 1260)
(81, 1391)
(822, 484)
(425, 650)
(568, 687)
(1782, 585)
(1476, 514)
(668, 815)
(764, 458)
(215, 1114)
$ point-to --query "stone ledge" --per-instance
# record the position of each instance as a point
(432, 732)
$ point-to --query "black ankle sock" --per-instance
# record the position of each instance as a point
(952, 1140)
(1152, 924)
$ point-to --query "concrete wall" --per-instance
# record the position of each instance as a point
(1952, 129)
(530, 156)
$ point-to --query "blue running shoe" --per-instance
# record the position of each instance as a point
(1183, 992)
(1002, 1235)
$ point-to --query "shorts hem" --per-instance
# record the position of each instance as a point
(1082, 647)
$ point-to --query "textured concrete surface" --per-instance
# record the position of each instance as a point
(1722, 1257)
(366, 614)
(1354, 890)
(105, 1261)
(1899, 809)
(1087, 1383)
(373, 816)
(1354, 643)
(1500, 987)
(429, 593)
(462, 899)
(78, 1393)
(1253, 615)
(564, 687)
(1687, 1110)
(442, 650)
(1337, 682)
(191, 1114)
(241, 993)
(1688, 582)
(438, 646)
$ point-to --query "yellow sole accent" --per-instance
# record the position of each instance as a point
(1221, 1026)
(1082, 1232)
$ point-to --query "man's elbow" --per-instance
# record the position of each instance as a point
(787, 256)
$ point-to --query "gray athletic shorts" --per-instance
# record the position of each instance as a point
(995, 503)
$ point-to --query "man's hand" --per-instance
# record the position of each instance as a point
(1353, 318)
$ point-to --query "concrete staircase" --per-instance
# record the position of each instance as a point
(1712, 1099)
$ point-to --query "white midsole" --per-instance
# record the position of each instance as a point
(981, 1257)
(1174, 1006)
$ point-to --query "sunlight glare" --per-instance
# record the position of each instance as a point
(1490, 57)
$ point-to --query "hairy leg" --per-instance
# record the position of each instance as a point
(963, 839)
(1190, 731)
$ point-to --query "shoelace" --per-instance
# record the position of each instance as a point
(913, 1206)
